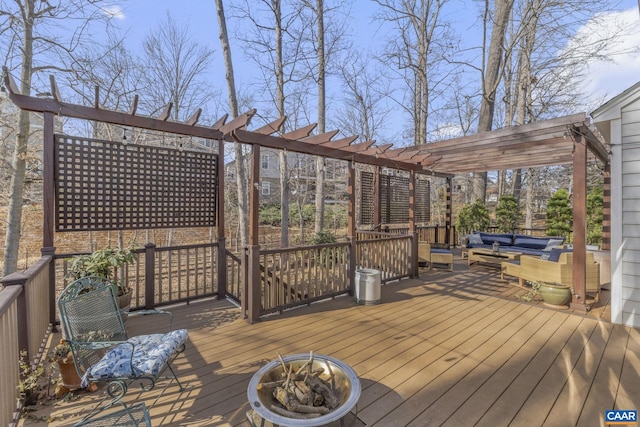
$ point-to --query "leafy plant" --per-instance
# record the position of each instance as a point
(103, 263)
(30, 374)
(473, 217)
(322, 237)
(507, 214)
(559, 215)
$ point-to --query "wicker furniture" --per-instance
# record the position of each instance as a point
(102, 351)
(535, 269)
(489, 256)
(430, 255)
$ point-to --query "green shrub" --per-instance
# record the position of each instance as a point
(595, 204)
(473, 217)
(323, 237)
(560, 215)
(507, 214)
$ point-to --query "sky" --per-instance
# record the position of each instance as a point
(606, 80)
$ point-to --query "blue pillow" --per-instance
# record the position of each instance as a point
(530, 242)
(475, 239)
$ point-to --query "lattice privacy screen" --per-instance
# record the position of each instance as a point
(106, 185)
(394, 199)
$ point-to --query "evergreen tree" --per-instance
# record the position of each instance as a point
(594, 216)
(473, 217)
(559, 215)
(507, 214)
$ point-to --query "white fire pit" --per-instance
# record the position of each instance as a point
(345, 383)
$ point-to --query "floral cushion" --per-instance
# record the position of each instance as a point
(150, 355)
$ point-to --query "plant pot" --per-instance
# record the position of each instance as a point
(124, 302)
(555, 295)
(69, 375)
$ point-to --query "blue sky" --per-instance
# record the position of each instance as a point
(139, 17)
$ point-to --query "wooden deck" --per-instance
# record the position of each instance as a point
(454, 349)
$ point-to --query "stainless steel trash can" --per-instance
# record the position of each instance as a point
(367, 290)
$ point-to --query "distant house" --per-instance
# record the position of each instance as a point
(302, 176)
(619, 122)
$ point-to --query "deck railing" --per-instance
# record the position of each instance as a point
(24, 326)
(388, 253)
(298, 276)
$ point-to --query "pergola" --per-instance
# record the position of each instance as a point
(564, 140)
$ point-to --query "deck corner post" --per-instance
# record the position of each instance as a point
(20, 279)
(414, 255)
(149, 275)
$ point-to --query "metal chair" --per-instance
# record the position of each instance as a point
(103, 353)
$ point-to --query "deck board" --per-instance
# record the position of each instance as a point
(451, 349)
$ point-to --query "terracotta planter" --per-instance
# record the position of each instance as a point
(555, 295)
(69, 375)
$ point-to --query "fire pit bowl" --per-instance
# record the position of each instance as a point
(347, 386)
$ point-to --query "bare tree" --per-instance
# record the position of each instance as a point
(417, 48)
(241, 178)
(29, 44)
(364, 112)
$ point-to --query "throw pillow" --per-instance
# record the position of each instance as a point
(552, 243)
(475, 239)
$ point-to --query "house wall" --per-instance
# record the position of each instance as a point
(629, 246)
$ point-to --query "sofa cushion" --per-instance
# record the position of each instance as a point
(502, 239)
(530, 242)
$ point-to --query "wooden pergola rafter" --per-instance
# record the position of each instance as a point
(564, 140)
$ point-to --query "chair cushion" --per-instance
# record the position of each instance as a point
(441, 251)
(150, 355)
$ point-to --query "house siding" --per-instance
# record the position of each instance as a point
(630, 210)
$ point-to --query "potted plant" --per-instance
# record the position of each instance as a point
(104, 263)
(552, 294)
(68, 373)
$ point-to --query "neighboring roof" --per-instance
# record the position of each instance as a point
(612, 110)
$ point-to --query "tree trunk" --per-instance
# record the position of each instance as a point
(280, 101)
(241, 173)
(491, 79)
(14, 211)
(320, 161)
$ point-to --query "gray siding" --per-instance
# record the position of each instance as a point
(631, 213)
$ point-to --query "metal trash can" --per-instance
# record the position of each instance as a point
(367, 290)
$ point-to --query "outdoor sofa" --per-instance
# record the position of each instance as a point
(526, 245)
(557, 268)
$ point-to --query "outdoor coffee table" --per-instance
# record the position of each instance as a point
(489, 256)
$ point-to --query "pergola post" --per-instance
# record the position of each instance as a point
(48, 207)
(222, 249)
(252, 285)
(448, 212)
(578, 300)
(351, 224)
(377, 213)
(606, 208)
(412, 224)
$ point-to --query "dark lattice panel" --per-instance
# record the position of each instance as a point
(394, 199)
(105, 185)
(423, 201)
(366, 198)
